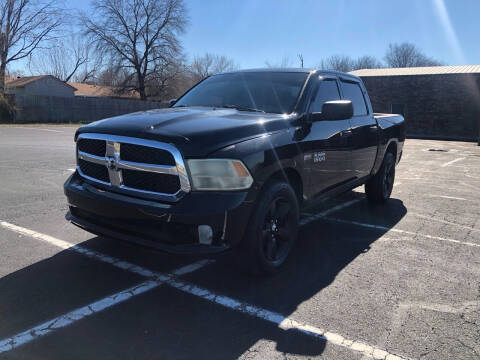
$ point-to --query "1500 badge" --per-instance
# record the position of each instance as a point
(317, 157)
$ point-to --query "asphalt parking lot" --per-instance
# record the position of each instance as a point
(399, 281)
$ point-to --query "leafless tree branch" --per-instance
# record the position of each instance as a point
(209, 64)
(24, 26)
(69, 59)
(407, 55)
(139, 35)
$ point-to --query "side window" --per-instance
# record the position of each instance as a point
(353, 92)
(327, 91)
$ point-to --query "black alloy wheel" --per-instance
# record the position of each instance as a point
(272, 230)
(379, 187)
(388, 178)
(278, 230)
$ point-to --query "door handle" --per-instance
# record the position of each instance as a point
(346, 133)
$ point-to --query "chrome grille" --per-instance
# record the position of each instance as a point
(145, 154)
(150, 181)
(93, 170)
(91, 146)
(138, 167)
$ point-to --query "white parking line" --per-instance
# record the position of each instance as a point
(313, 217)
(453, 162)
(384, 228)
(469, 228)
(78, 314)
(124, 265)
(321, 215)
(283, 322)
(160, 278)
(448, 197)
(34, 128)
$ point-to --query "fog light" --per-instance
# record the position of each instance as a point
(205, 235)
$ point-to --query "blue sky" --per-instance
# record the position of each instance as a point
(253, 31)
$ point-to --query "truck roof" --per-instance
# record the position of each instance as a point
(299, 70)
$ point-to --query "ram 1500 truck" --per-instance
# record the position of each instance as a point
(232, 162)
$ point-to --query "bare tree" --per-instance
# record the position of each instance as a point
(140, 35)
(89, 71)
(113, 75)
(300, 58)
(337, 62)
(69, 59)
(209, 64)
(407, 55)
(24, 26)
(366, 62)
(172, 80)
(285, 62)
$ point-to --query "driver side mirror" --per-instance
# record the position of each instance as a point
(172, 102)
(334, 110)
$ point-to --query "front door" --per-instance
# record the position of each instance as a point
(327, 146)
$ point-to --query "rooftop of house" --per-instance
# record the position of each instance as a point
(20, 82)
(83, 89)
(427, 70)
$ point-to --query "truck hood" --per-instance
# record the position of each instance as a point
(195, 131)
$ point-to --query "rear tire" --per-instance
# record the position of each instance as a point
(272, 230)
(379, 187)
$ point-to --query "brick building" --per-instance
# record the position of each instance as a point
(437, 101)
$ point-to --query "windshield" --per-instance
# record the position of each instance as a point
(272, 92)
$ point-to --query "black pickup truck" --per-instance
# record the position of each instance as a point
(230, 164)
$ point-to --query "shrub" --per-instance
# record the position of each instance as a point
(7, 110)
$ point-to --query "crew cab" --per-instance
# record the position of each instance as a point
(231, 163)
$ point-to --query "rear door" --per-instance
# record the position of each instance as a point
(364, 128)
(327, 146)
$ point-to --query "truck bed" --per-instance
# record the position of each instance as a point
(388, 120)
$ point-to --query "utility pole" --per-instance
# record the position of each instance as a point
(300, 57)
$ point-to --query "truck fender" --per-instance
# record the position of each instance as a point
(382, 149)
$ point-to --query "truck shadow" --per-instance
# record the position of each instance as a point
(181, 325)
(324, 248)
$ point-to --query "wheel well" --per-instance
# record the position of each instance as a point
(392, 148)
(291, 176)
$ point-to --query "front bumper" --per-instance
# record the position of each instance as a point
(172, 227)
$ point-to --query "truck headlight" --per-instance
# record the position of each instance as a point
(219, 174)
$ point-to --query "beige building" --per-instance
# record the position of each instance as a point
(43, 85)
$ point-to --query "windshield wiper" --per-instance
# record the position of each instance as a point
(239, 108)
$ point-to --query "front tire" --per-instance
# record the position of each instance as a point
(272, 230)
(380, 186)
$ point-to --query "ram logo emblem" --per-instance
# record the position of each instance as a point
(110, 162)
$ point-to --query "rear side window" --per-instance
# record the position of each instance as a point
(327, 91)
(353, 92)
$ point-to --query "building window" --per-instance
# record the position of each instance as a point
(398, 109)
